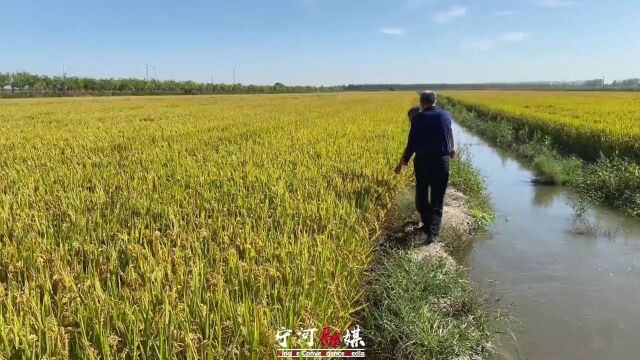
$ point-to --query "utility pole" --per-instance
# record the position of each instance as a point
(603, 81)
(154, 68)
(234, 76)
(64, 78)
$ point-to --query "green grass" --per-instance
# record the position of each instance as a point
(428, 309)
(466, 179)
(425, 309)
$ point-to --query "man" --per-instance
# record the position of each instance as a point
(431, 140)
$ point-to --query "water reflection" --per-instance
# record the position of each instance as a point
(545, 195)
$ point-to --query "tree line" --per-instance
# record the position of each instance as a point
(594, 84)
(25, 84)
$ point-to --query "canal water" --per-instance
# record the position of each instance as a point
(569, 279)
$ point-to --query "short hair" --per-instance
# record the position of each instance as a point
(428, 97)
(413, 112)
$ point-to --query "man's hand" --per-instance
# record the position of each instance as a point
(452, 153)
(399, 168)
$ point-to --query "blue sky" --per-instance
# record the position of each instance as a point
(325, 41)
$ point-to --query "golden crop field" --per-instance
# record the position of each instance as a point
(587, 122)
(159, 227)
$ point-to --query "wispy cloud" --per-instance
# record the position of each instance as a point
(503, 13)
(395, 31)
(557, 3)
(417, 4)
(454, 12)
(514, 37)
(490, 43)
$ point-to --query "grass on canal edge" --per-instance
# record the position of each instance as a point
(427, 309)
(610, 180)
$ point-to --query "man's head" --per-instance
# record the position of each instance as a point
(428, 99)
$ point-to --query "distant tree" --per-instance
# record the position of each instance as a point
(23, 80)
(46, 85)
(189, 87)
(40, 85)
(5, 79)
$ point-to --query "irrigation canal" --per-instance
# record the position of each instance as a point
(573, 287)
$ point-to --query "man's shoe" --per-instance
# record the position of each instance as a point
(424, 229)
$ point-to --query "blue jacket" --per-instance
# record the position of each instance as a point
(430, 134)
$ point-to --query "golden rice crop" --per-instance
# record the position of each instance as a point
(587, 122)
(163, 227)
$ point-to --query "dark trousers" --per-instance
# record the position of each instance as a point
(432, 178)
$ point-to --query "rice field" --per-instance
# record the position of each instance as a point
(585, 122)
(189, 227)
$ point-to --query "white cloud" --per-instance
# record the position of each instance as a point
(445, 17)
(557, 3)
(395, 31)
(502, 13)
(490, 43)
(514, 37)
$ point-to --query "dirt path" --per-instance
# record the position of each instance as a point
(419, 304)
(456, 218)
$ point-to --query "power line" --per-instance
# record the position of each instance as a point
(155, 75)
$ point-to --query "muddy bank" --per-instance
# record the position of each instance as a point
(457, 220)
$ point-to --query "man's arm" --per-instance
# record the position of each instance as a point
(408, 150)
(452, 143)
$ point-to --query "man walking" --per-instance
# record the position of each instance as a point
(431, 140)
